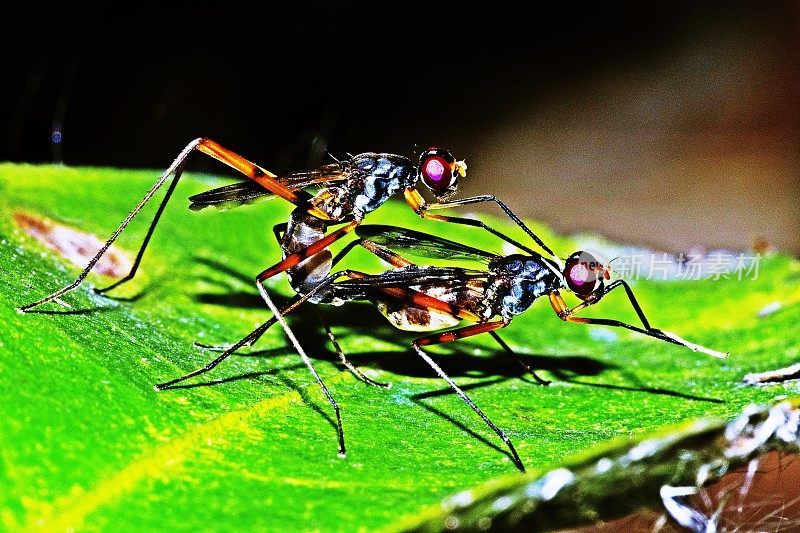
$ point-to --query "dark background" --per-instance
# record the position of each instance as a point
(673, 125)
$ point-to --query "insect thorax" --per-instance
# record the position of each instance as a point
(377, 177)
(517, 282)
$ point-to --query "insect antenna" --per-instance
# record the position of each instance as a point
(333, 156)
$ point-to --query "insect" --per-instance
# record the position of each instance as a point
(352, 188)
(434, 298)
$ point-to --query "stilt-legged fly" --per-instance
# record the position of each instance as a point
(352, 188)
(435, 298)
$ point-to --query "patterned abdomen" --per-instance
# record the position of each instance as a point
(303, 230)
(409, 317)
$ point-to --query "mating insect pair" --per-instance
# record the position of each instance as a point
(420, 298)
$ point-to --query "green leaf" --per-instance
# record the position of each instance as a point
(87, 443)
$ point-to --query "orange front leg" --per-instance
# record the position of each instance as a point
(568, 315)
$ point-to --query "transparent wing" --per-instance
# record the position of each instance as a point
(248, 192)
(421, 244)
(423, 278)
(234, 195)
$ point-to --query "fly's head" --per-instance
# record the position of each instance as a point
(584, 274)
(439, 171)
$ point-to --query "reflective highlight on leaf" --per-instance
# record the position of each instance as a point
(656, 473)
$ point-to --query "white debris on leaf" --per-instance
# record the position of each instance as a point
(75, 246)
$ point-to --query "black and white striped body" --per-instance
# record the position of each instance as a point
(373, 178)
(515, 282)
(509, 287)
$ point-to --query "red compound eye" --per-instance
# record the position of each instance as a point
(583, 273)
(436, 171)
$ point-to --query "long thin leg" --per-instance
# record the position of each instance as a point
(291, 260)
(247, 340)
(385, 254)
(398, 261)
(278, 316)
(263, 177)
(355, 371)
(421, 207)
(257, 334)
(211, 148)
(380, 251)
(634, 303)
(413, 296)
(254, 335)
(175, 167)
(147, 237)
(307, 360)
(513, 354)
(567, 314)
(421, 299)
(450, 336)
(278, 230)
(417, 298)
